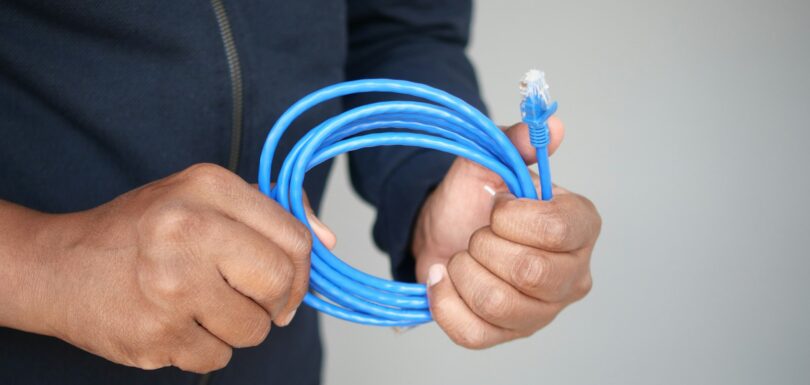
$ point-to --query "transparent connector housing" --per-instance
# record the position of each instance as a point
(534, 84)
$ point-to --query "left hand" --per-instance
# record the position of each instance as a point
(500, 268)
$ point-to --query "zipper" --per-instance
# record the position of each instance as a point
(237, 96)
(236, 82)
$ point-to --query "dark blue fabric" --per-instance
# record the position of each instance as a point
(100, 97)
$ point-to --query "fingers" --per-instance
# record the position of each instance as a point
(232, 196)
(453, 315)
(494, 300)
(235, 198)
(257, 268)
(568, 222)
(519, 135)
(230, 316)
(323, 232)
(550, 277)
(201, 352)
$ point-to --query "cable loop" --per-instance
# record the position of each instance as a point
(446, 124)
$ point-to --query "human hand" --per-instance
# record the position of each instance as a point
(500, 268)
(177, 272)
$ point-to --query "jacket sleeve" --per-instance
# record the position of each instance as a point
(421, 41)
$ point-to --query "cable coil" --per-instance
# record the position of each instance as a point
(447, 124)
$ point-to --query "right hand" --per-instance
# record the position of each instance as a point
(177, 272)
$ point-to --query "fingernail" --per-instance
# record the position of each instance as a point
(399, 330)
(489, 189)
(288, 319)
(435, 274)
(314, 221)
(504, 195)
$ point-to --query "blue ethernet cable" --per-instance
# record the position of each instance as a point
(536, 108)
(446, 124)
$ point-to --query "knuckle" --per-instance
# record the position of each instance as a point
(285, 275)
(542, 319)
(494, 304)
(279, 281)
(471, 337)
(584, 286)
(302, 242)
(176, 221)
(168, 253)
(204, 361)
(531, 272)
(207, 175)
(555, 231)
(480, 241)
(590, 214)
(220, 359)
(170, 285)
(503, 214)
(255, 331)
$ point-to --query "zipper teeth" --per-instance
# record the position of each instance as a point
(236, 81)
(235, 71)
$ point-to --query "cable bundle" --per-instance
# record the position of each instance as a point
(447, 124)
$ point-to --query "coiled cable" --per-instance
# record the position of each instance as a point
(446, 124)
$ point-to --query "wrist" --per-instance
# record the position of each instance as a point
(31, 256)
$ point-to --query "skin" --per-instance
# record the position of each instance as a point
(497, 267)
(181, 271)
(178, 272)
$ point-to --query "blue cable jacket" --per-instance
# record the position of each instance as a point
(447, 124)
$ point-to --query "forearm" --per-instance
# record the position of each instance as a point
(23, 276)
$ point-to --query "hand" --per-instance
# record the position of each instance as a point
(177, 272)
(500, 268)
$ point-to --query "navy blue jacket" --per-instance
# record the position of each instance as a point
(100, 97)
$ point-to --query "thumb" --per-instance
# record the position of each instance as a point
(519, 135)
(323, 232)
(501, 198)
(455, 317)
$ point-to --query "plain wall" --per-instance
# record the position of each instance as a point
(687, 125)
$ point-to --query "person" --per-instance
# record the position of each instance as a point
(136, 250)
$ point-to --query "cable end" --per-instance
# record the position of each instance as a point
(536, 106)
(534, 84)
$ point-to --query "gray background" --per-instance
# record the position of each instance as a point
(687, 123)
